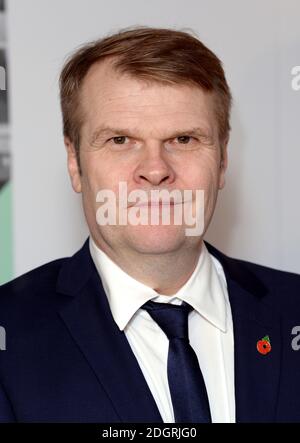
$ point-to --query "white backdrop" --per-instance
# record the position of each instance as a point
(258, 213)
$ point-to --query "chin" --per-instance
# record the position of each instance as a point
(156, 239)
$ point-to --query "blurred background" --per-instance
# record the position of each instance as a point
(258, 213)
(6, 248)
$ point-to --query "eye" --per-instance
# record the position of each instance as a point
(184, 139)
(119, 140)
(183, 143)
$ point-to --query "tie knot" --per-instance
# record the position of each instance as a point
(172, 319)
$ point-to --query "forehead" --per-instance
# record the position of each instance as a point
(112, 97)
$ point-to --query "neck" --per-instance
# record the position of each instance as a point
(165, 273)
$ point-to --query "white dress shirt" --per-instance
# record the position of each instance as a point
(210, 329)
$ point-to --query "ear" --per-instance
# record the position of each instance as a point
(223, 163)
(73, 166)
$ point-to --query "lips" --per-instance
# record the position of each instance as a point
(156, 204)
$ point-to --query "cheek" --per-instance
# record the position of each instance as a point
(101, 175)
(203, 175)
(94, 171)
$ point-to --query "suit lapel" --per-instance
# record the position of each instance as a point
(254, 317)
(87, 315)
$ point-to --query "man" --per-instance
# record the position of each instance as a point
(147, 323)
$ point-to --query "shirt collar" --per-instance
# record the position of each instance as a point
(204, 291)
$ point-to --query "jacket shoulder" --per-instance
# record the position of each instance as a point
(280, 288)
(265, 272)
(271, 277)
(39, 280)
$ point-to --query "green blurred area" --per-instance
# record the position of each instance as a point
(6, 262)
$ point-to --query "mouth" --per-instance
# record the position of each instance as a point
(154, 203)
(160, 204)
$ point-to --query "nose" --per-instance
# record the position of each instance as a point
(154, 167)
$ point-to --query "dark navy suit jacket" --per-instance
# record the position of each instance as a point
(67, 361)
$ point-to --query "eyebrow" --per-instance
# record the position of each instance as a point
(106, 130)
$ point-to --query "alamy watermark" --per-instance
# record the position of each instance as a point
(2, 339)
(296, 340)
(296, 78)
(2, 79)
(155, 207)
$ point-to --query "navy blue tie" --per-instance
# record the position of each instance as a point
(186, 383)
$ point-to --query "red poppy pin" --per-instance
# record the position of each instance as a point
(264, 345)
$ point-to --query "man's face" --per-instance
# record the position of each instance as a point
(153, 137)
